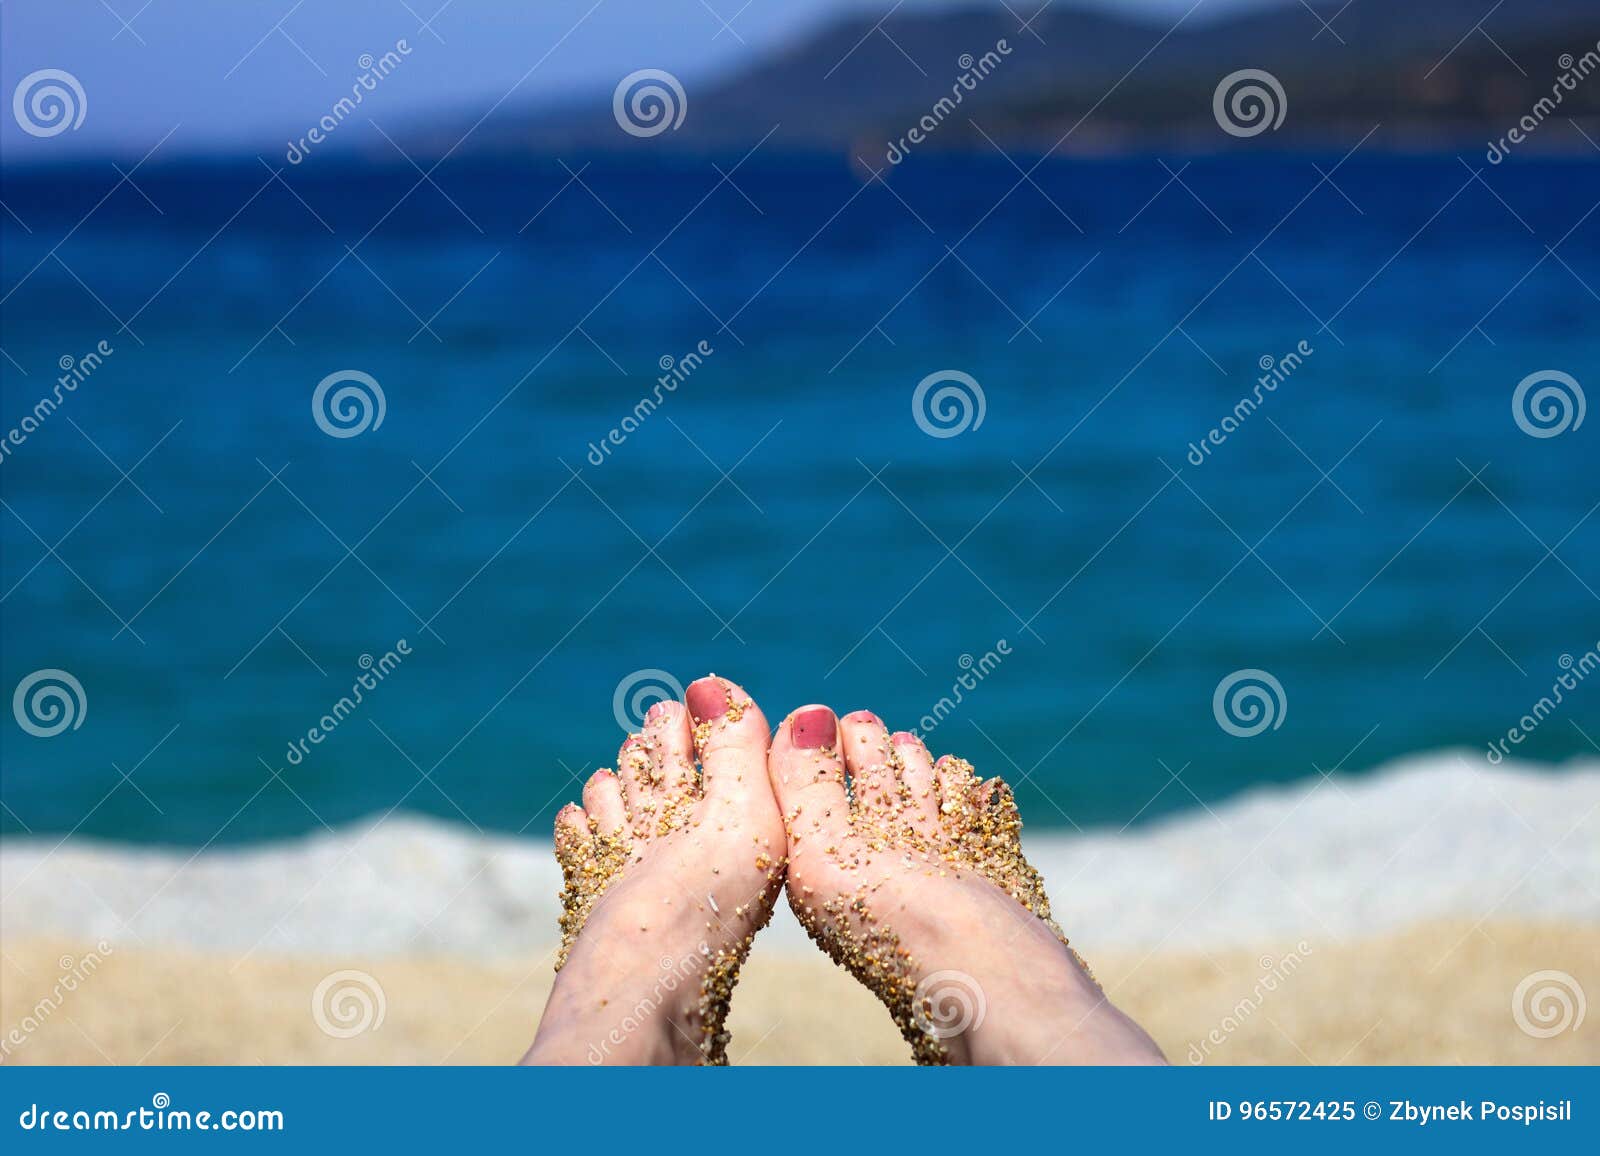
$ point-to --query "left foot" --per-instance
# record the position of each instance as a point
(669, 875)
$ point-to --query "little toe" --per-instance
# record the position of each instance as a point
(602, 799)
(807, 776)
(957, 787)
(574, 840)
(999, 805)
(918, 781)
(874, 786)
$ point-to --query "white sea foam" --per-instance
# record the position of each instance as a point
(1328, 860)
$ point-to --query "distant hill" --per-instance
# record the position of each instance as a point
(862, 82)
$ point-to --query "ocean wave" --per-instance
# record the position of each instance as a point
(1326, 860)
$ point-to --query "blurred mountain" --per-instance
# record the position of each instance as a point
(1431, 71)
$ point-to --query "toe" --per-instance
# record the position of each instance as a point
(999, 806)
(731, 736)
(874, 786)
(918, 781)
(957, 786)
(808, 778)
(602, 799)
(670, 741)
(637, 770)
(574, 841)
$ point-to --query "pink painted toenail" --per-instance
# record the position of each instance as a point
(659, 711)
(707, 699)
(814, 728)
(865, 716)
(904, 737)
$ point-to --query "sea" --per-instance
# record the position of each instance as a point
(346, 489)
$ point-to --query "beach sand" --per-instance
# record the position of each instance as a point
(1385, 918)
(1440, 993)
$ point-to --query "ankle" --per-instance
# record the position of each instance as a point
(1015, 994)
(637, 1002)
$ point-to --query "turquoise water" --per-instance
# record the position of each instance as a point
(216, 603)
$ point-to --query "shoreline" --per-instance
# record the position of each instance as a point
(1434, 837)
(1395, 918)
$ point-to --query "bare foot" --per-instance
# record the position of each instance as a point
(669, 875)
(914, 880)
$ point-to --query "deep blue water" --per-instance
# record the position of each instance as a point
(848, 557)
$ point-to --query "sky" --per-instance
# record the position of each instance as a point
(250, 74)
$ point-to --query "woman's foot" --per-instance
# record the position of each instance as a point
(915, 881)
(669, 875)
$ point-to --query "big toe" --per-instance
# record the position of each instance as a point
(730, 736)
(807, 776)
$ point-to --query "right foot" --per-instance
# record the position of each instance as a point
(913, 879)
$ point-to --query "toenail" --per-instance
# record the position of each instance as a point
(707, 699)
(659, 711)
(813, 728)
(904, 738)
(865, 716)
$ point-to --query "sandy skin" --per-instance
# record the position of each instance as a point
(669, 874)
(914, 881)
(908, 873)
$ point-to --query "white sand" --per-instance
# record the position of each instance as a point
(1439, 837)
